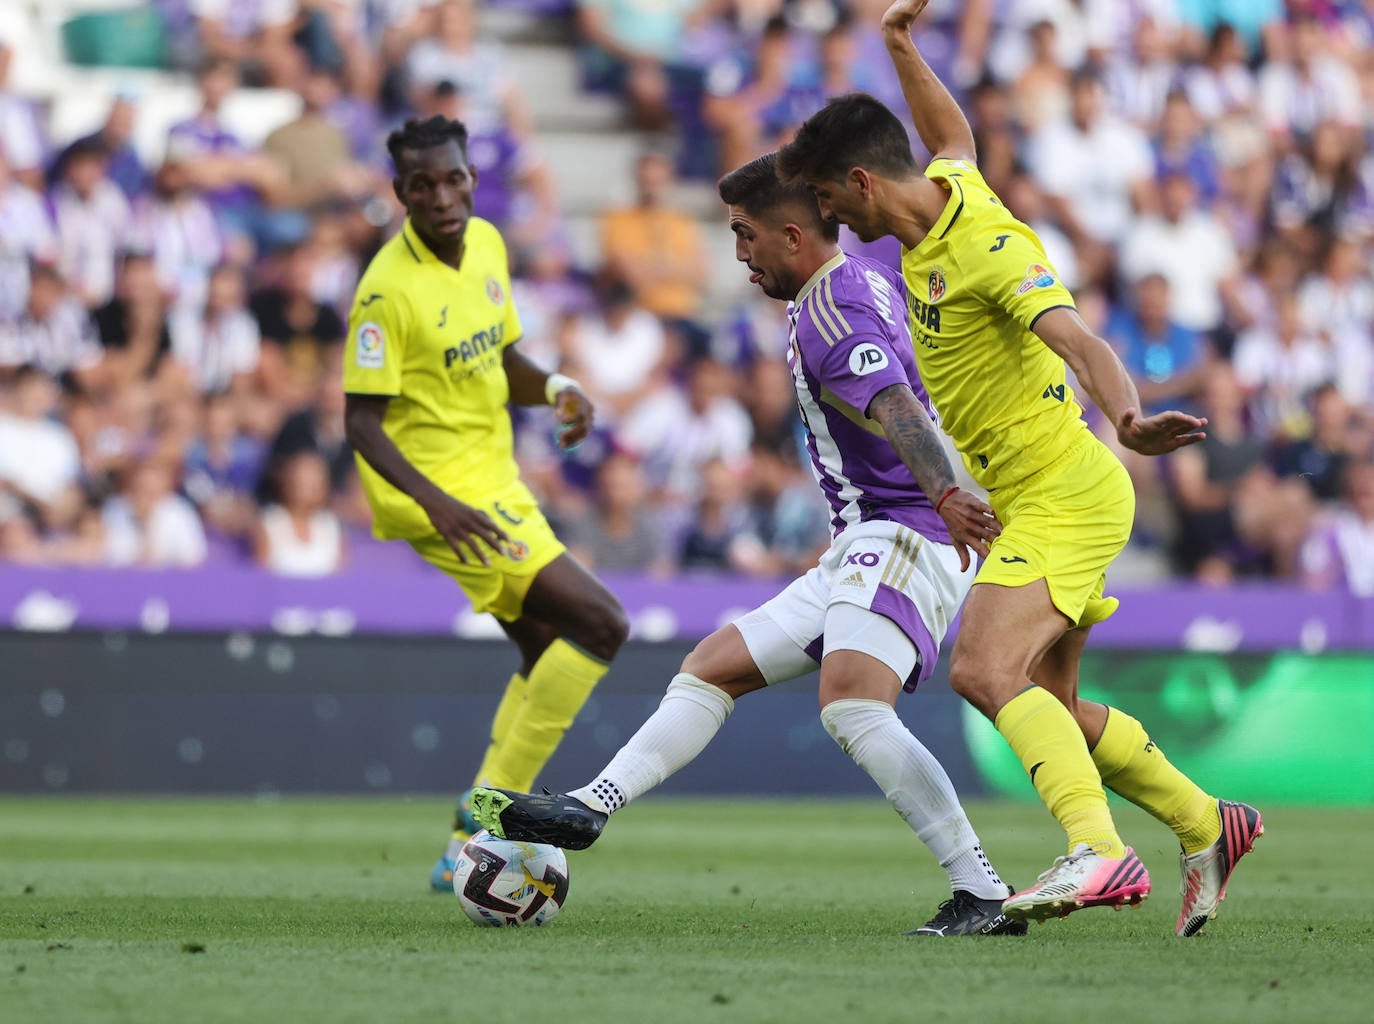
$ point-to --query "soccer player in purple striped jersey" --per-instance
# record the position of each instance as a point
(872, 613)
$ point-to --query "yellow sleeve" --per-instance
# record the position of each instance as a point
(375, 347)
(1015, 274)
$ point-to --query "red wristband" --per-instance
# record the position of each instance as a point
(944, 496)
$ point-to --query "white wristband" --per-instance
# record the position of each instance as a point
(556, 384)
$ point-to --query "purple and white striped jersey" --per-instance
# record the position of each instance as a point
(849, 340)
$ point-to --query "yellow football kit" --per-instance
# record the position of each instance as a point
(431, 339)
(976, 284)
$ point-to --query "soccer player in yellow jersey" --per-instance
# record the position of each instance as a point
(993, 328)
(430, 366)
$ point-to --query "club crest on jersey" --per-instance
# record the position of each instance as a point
(1036, 277)
(937, 284)
(517, 550)
(495, 292)
(371, 353)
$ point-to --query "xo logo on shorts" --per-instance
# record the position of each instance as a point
(868, 559)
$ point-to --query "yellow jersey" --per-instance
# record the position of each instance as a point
(976, 284)
(431, 338)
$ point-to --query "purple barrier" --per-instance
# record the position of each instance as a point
(404, 600)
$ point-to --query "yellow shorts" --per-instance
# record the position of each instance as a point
(500, 587)
(1065, 524)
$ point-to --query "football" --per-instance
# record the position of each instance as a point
(500, 882)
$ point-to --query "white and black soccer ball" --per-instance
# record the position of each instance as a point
(502, 882)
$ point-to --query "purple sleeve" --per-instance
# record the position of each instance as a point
(859, 365)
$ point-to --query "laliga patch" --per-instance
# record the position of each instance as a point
(371, 346)
(866, 358)
(495, 292)
(1036, 277)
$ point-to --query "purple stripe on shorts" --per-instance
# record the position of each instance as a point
(815, 650)
(893, 604)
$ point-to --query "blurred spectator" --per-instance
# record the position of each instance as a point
(617, 532)
(147, 524)
(253, 34)
(26, 236)
(1323, 191)
(1167, 361)
(748, 107)
(638, 50)
(771, 401)
(176, 225)
(218, 344)
(676, 434)
(1235, 518)
(1191, 249)
(1339, 553)
(1041, 92)
(297, 330)
(1094, 167)
(1309, 87)
(1222, 84)
(133, 325)
(93, 220)
(619, 349)
(315, 151)
(717, 537)
(1181, 148)
(1320, 460)
(300, 536)
(21, 139)
(236, 181)
(1258, 23)
(478, 67)
(1281, 367)
(317, 427)
(1140, 86)
(657, 247)
(114, 141)
(1340, 301)
(54, 332)
(787, 516)
(222, 467)
(39, 462)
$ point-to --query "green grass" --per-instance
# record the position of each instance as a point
(726, 911)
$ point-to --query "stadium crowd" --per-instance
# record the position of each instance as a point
(170, 336)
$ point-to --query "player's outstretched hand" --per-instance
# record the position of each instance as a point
(465, 528)
(575, 415)
(902, 14)
(972, 525)
(1161, 433)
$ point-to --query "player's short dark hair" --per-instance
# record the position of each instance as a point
(434, 131)
(757, 188)
(849, 131)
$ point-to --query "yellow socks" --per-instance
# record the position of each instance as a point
(558, 685)
(1051, 748)
(511, 703)
(1132, 766)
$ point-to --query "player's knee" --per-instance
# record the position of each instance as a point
(971, 678)
(606, 630)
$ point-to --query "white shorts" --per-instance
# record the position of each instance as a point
(905, 587)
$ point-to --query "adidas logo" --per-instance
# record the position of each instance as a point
(854, 579)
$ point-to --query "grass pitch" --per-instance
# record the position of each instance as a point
(753, 911)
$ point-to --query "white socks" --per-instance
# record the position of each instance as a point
(691, 712)
(916, 785)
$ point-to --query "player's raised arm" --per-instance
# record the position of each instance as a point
(917, 443)
(1109, 385)
(937, 118)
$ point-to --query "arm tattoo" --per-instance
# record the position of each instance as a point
(913, 437)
